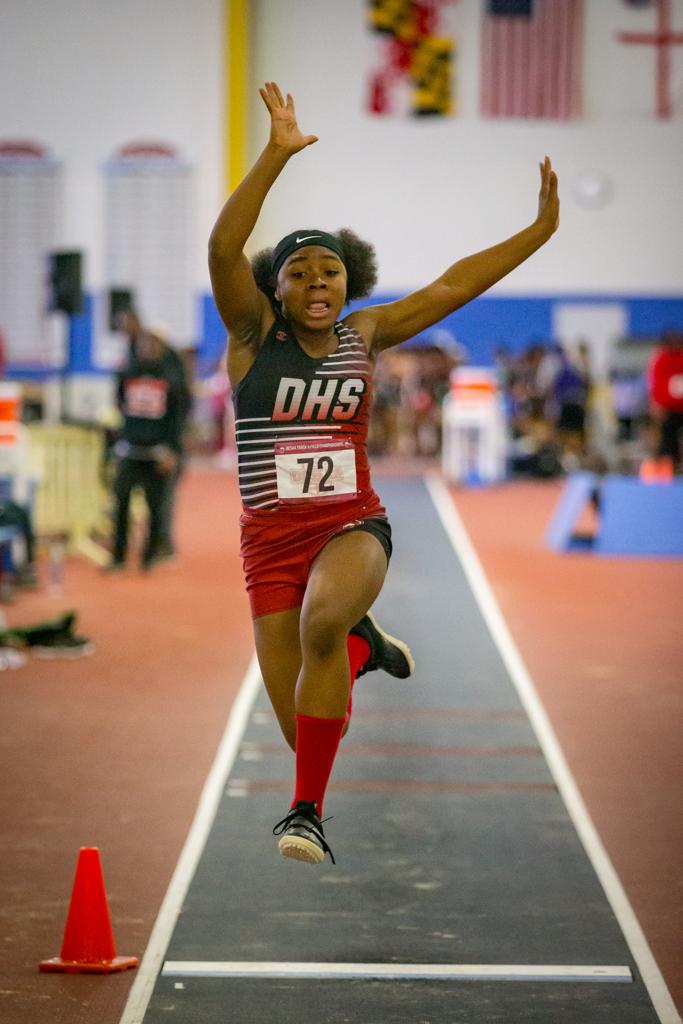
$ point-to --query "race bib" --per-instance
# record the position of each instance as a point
(315, 470)
(146, 398)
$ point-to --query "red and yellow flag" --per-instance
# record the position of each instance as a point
(415, 55)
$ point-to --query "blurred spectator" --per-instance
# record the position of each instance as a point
(175, 367)
(13, 514)
(570, 390)
(528, 387)
(151, 399)
(384, 423)
(665, 383)
(504, 364)
(550, 402)
(219, 401)
(129, 323)
(422, 411)
(630, 402)
(547, 361)
(535, 452)
(547, 404)
(424, 374)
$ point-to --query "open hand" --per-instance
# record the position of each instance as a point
(548, 201)
(284, 130)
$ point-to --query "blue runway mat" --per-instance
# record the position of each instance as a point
(453, 846)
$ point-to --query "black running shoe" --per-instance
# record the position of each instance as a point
(302, 836)
(42, 633)
(386, 652)
(63, 645)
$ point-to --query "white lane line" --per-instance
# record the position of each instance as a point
(633, 933)
(396, 972)
(143, 986)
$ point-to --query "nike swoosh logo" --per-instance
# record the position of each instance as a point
(306, 238)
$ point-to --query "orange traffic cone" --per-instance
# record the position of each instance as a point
(88, 944)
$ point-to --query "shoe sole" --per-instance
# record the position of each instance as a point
(11, 659)
(402, 646)
(298, 848)
(52, 653)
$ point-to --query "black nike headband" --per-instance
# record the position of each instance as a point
(297, 240)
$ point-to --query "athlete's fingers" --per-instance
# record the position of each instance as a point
(548, 168)
(276, 90)
(272, 95)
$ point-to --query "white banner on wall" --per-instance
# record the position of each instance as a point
(30, 214)
(148, 236)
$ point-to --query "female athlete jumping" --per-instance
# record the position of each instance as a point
(315, 538)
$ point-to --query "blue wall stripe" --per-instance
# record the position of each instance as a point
(481, 327)
(80, 339)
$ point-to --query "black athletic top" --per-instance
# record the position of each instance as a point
(302, 423)
(152, 403)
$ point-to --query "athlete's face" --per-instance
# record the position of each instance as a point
(311, 286)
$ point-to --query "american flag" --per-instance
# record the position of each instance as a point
(531, 58)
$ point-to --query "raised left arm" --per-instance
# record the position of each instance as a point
(394, 322)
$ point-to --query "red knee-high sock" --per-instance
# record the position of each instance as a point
(359, 652)
(317, 740)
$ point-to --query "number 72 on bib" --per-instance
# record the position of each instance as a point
(315, 470)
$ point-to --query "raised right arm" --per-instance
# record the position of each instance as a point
(240, 303)
(243, 308)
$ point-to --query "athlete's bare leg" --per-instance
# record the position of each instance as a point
(344, 581)
(278, 649)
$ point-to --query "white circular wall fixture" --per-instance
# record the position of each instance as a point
(592, 189)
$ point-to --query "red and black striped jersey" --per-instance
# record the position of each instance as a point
(289, 401)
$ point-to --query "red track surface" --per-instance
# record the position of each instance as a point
(113, 750)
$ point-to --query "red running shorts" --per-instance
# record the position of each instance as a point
(278, 549)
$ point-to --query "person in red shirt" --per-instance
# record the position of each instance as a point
(665, 384)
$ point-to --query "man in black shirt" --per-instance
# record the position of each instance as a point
(150, 397)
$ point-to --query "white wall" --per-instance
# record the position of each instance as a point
(429, 191)
(85, 76)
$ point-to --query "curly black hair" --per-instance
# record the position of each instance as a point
(360, 261)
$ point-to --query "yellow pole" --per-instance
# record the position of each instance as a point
(236, 64)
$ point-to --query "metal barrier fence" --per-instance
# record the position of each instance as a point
(70, 496)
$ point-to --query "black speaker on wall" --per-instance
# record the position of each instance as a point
(121, 300)
(65, 282)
